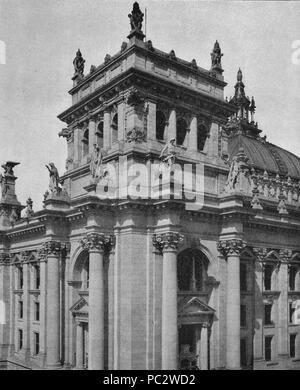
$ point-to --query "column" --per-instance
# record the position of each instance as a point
(52, 249)
(43, 305)
(76, 145)
(192, 144)
(168, 244)
(204, 347)
(79, 345)
(151, 123)
(96, 243)
(172, 125)
(283, 306)
(258, 353)
(92, 134)
(121, 121)
(231, 250)
(106, 129)
(26, 307)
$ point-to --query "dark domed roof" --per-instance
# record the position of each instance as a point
(265, 156)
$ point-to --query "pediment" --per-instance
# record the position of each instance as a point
(193, 306)
(80, 306)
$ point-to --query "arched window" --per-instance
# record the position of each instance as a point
(81, 270)
(181, 130)
(160, 125)
(269, 276)
(99, 133)
(202, 134)
(85, 143)
(191, 270)
(85, 274)
(114, 129)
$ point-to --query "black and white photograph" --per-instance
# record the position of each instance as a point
(149, 188)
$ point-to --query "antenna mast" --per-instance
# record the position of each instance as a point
(145, 23)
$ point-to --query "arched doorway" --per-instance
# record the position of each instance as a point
(194, 315)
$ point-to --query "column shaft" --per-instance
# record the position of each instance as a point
(151, 123)
(92, 134)
(192, 145)
(233, 312)
(106, 130)
(172, 125)
(79, 346)
(258, 328)
(53, 312)
(204, 348)
(283, 342)
(169, 311)
(96, 311)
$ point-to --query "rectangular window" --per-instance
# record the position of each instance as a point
(20, 339)
(20, 309)
(293, 345)
(243, 277)
(291, 311)
(36, 311)
(36, 343)
(268, 270)
(268, 314)
(37, 277)
(243, 316)
(268, 348)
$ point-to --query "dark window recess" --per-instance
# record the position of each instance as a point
(292, 278)
(268, 314)
(243, 316)
(20, 339)
(114, 126)
(268, 271)
(99, 134)
(37, 277)
(36, 343)
(20, 309)
(160, 125)
(37, 311)
(243, 277)
(243, 353)
(202, 134)
(291, 312)
(268, 348)
(21, 280)
(293, 345)
(181, 130)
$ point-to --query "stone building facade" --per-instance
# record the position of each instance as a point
(121, 282)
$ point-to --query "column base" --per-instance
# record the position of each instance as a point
(55, 366)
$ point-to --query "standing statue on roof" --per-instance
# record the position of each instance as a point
(54, 178)
(136, 17)
(78, 63)
(216, 57)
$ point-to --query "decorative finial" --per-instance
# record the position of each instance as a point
(78, 63)
(216, 56)
(239, 76)
(136, 21)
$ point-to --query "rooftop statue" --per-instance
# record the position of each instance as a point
(79, 63)
(54, 178)
(136, 17)
(216, 57)
(29, 210)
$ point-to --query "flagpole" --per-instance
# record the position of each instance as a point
(145, 23)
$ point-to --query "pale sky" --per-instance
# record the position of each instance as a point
(42, 37)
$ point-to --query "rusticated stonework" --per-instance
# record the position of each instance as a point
(97, 241)
(231, 247)
(167, 241)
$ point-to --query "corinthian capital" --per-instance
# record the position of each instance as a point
(167, 241)
(4, 258)
(97, 241)
(231, 247)
(51, 248)
(285, 255)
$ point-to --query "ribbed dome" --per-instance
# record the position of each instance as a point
(266, 156)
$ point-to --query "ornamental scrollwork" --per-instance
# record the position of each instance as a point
(231, 247)
(5, 258)
(167, 241)
(51, 248)
(97, 241)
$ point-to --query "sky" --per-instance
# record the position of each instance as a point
(41, 38)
